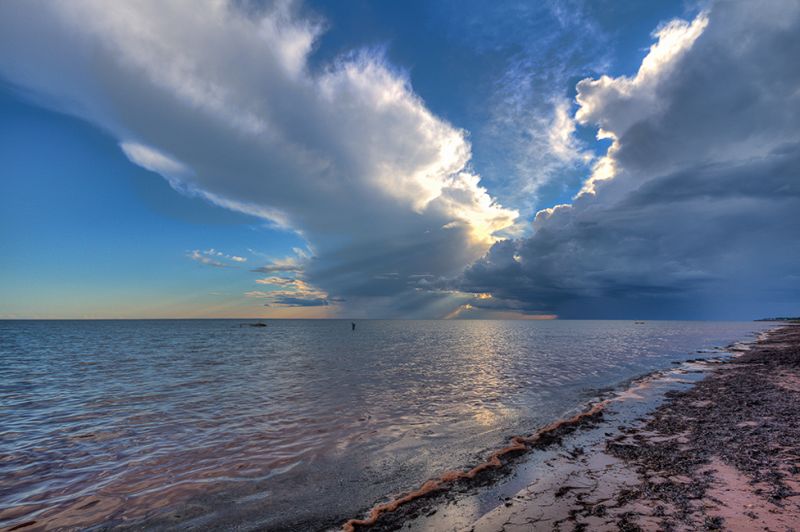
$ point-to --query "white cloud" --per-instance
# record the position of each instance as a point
(290, 292)
(204, 258)
(561, 136)
(213, 257)
(154, 161)
(694, 209)
(223, 103)
(616, 104)
(282, 281)
(296, 263)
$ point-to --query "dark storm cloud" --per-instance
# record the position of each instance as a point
(278, 268)
(695, 210)
(298, 302)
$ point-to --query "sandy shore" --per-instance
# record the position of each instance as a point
(712, 445)
(722, 455)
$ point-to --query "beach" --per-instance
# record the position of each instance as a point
(712, 444)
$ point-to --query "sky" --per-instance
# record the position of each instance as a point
(449, 159)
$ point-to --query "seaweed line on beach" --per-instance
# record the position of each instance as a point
(546, 436)
(543, 437)
(723, 454)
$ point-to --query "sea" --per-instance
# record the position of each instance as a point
(297, 425)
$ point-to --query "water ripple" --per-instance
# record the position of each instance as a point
(119, 422)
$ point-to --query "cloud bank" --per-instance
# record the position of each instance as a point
(695, 208)
(692, 211)
(221, 101)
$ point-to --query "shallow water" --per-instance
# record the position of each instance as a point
(205, 423)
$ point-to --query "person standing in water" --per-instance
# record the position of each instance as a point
(353, 325)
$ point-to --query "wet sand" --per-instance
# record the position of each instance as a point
(713, 444)
(722, 455)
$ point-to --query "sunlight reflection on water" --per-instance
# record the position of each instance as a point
(112, 421)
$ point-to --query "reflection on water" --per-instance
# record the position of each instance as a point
(300, 422)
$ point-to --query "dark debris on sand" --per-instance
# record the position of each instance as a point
(723, 454)
(427, 505)
(734, 438)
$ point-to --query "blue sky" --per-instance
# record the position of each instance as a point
(143, 177)
(85, 233)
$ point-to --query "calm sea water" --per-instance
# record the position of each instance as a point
(202, 423)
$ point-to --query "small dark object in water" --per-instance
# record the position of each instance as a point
(259, 324)
(353, 325)
(638, 323)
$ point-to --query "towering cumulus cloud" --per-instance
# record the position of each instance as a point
(220, 100)
(695, 207)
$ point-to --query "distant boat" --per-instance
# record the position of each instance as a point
(638, 322)
(259, 324)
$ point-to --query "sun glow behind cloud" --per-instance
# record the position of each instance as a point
(236, 105)
(222, 102)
